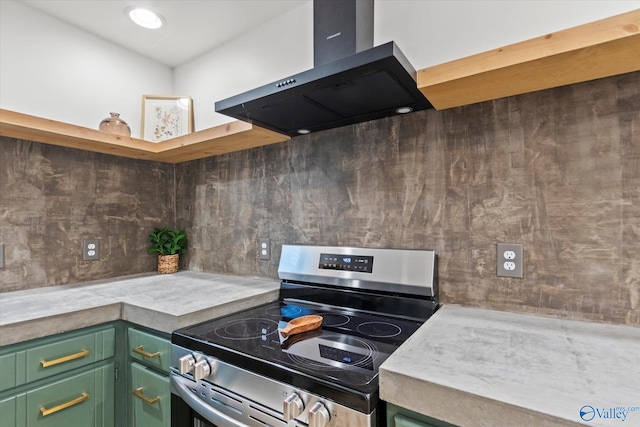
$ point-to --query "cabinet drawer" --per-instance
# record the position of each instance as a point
(149, 349)
(150, 398)
(67, 354)
(85, 399)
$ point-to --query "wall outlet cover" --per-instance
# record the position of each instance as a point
(509, 260)
(264, 248)
(90, 250)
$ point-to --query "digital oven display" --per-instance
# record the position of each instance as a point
(359, 263)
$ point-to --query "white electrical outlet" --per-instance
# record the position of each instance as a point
(509, 260)
(264, 249)
(90, 250)
(509, 266)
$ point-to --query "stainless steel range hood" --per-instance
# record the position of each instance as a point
(351, 81)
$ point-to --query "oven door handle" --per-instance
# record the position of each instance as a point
(208, 412)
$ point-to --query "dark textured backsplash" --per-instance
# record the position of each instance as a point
(51, 198)
(556, 170)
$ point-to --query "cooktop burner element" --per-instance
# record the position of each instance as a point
(379, 329)
(370, 301)
(334, 319)
(246, 329)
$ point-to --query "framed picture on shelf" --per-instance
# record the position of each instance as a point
(166, 117)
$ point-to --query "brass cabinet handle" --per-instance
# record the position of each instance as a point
(55, 409)
(139, 393)
(47, 363)
(140, 350)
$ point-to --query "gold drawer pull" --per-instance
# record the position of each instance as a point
(140, 350)
(47, 363)
(55, 409)
(139, 393)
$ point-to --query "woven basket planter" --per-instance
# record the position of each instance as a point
(168, 263)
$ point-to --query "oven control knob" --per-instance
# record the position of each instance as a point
(318, 415)
(293, 406)
(201, 370)
(185, 364)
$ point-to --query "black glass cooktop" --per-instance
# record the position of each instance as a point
(346, 350)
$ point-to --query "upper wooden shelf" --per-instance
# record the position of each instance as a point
(598, 49)
(234, 136)
(587, 52)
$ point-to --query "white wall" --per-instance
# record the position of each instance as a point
(55, 70)
(276, 49)
(431, 32)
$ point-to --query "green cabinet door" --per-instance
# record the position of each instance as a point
(150, 400)
(84, 399)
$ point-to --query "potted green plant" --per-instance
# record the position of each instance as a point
(168, 244)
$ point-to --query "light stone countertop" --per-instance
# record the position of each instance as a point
(475, 367)
(164, 302)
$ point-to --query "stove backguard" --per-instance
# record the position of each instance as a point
(391, 271)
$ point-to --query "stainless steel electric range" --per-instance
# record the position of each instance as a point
(239, 371)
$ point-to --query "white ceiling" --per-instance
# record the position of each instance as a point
(192, 27)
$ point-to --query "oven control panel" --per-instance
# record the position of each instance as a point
(358, 263)
(230, 395)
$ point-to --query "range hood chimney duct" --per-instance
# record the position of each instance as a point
(351, 81)
(341, 28)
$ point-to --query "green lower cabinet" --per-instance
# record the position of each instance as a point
(150, 400)
(109, 375)
(65, 380)
(401, 417)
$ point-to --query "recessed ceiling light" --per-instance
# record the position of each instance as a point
(303, 131)
(145, 17)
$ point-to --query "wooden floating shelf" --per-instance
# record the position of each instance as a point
(595, 50)
(233, 136)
